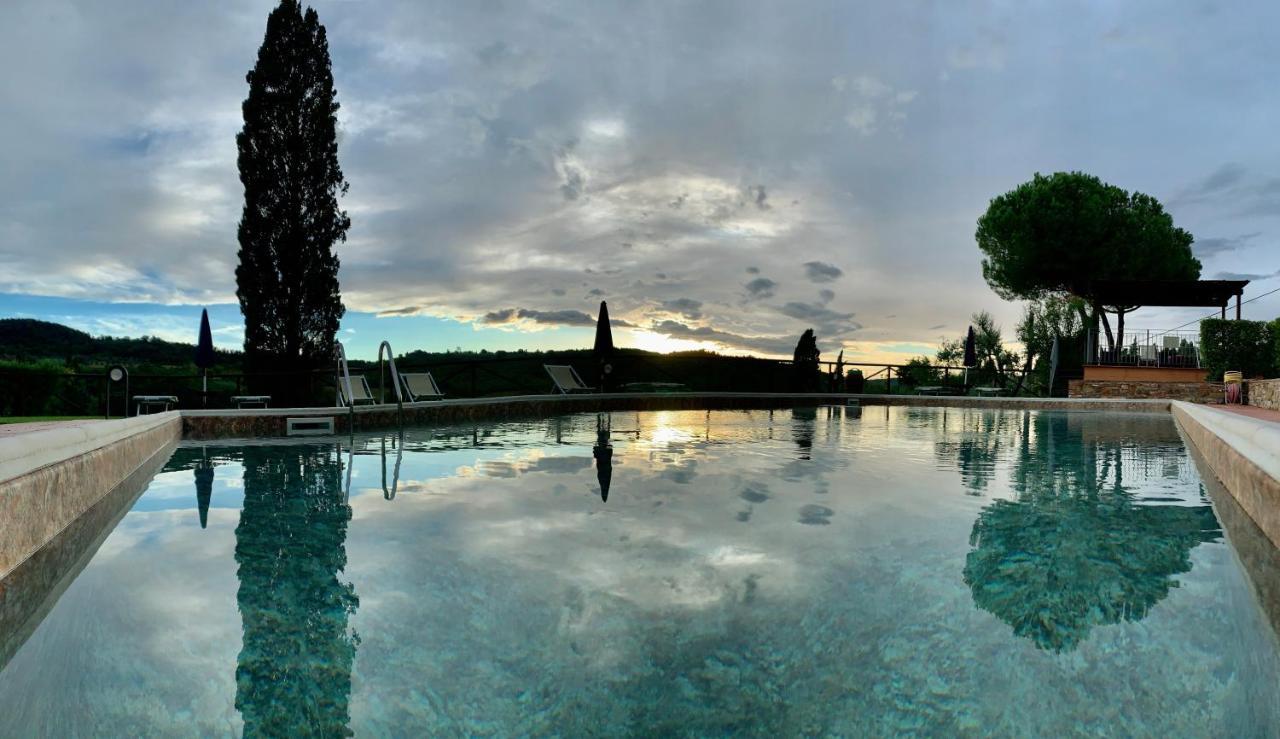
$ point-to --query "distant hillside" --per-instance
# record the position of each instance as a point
(26, 339)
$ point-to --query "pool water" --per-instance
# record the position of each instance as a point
(807, 572)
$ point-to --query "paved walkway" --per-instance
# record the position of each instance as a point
(14, 429)
(1252, 411)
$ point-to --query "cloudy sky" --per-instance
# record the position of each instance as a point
(725, 174)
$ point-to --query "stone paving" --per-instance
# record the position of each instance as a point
(14, 429)
(1252, 411)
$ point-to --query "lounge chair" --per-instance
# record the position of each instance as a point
(420, 386)
(151, 402)
(566, 379)
(360, 392)
(249, 401)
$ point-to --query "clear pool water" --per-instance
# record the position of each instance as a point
(807, 572)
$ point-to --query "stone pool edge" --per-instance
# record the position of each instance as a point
(43, 475)
(1243, 453)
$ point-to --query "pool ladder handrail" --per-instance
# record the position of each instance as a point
(343, 380)
(398, 445)
(395, 380)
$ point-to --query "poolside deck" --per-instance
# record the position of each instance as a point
(17, 429)
(1262, 414)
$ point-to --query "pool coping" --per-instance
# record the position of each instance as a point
(50, 477)
(21, 454)
(1244, 453)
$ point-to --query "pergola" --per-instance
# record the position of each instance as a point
(1165, 293)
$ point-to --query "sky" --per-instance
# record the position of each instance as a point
(724, 174)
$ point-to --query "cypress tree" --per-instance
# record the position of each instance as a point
(805, 363)
(287, 279)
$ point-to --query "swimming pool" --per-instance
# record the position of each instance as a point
(816, 571)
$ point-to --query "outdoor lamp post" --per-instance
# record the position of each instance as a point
(116, 374)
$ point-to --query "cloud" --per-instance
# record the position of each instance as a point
(824, 320)
(408, 310)
(756, 194)
(872, 103)
(1253, 277)
(774, 345)
(687, 307)
(1212, 247)
(761, 287)
(550, 318)
(1219, 180)
(822, 272)
(494, 158)
(566, 317)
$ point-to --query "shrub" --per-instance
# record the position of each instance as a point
(1275, 346)
(36, 388)
(919, 371)
(1247, 346)
(854, 381)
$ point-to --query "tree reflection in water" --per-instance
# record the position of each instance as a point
(1077, 547)
(294, 672)
(974, 441)
(803, 421)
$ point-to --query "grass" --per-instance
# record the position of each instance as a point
(33, 419)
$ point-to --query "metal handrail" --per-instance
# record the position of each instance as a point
(395, 479)
(395, 376)
(345, 378)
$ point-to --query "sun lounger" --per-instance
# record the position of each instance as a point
(566, 379)
(360, 392)
(149, 402)
(249, 401)
(420, 386)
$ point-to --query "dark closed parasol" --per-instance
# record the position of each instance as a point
(603, 349)
(204, 354)
(970, 349)
(204, 490)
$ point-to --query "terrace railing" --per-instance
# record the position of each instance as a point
(1146, 348)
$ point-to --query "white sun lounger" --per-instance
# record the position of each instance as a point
(151, 402)
(566, 379)
(420, 386)
(360, 392)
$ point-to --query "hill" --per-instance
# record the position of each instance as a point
(30, 340)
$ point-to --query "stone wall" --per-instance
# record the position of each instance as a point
(1264, 393)
(1192, 392)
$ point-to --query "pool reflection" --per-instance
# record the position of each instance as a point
(1087, 539)
(293, 675)
(603, 452)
